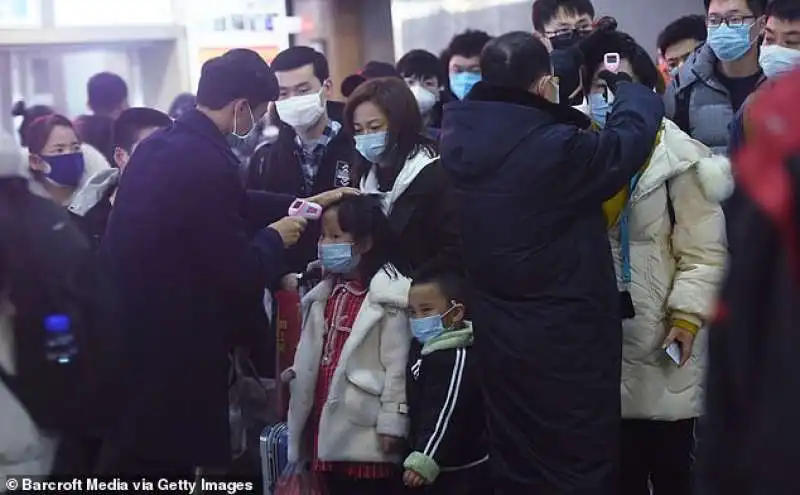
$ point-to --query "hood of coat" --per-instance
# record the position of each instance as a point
(388, 287)
(676, 153)
(479, 132)
(411, 169)
(94, 190)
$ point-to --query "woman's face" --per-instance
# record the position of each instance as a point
(62, 141)
(368, 119)
(599, 86)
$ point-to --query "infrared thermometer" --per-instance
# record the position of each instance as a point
(611, 62)
(305, 209)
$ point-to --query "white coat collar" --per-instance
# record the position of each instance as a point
(408, 173)
(676, 153)
(387, 287)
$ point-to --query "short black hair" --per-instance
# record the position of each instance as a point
(688, 27)
(237, 74)
(182, 103)
(374, 69)
(133, 121)
(758, 7)
(642, 64)
(421, 64)
(545, 11)
(515, 60)
(785, 10)
(300, 56)
(106, 92)
(97, 131)
(468, 44)
(449, 281)
(350, 84)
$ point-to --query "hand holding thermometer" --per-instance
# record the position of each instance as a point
(305, 209)
(674, 352)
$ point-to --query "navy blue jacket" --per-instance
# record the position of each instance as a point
(530, 183)
(190, 277)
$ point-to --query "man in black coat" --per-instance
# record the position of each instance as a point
(531, 182)
(189, 275)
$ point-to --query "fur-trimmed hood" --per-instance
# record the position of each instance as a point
(676, 153)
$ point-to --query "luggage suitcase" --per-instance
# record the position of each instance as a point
(274, 454)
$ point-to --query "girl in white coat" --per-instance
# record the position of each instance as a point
(669, 247)
(347, 412)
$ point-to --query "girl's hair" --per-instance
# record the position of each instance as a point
(643, 66)
(363, 218)
(28, 114)
(394, 99)
(38, 132)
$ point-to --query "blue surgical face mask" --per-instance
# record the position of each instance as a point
(66, 170)
(730, 43)
(338, 258)
(599, 108)
(775, 60)
(372, 146)
(429, 327)
(462, 82)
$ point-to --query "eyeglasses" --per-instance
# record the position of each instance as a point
(579, 29)
(731, 21)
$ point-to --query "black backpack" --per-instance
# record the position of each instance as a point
(57, 291)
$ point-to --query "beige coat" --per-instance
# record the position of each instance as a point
(676, 273)
(367, 395)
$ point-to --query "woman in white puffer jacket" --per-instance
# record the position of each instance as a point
(669, 248)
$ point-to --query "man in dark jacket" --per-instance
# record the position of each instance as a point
(531, 182)
(189, 277)
(312, 154)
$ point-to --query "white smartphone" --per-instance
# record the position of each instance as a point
(674, 352)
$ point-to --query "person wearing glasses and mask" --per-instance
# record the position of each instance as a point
(312, 153)
(712, 85)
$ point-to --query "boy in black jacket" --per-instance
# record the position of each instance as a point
(448, 441)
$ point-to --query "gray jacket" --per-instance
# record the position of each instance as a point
(710, 109)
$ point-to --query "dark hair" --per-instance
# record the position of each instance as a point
(350, 84)
(515, 60)
(449, 282)
(133, 121)
(421, 64)
(237, 74)
(28, 114)
(545, 11)
(107, 92)
(362, 217)
(181, 103)
(97, 131)
(374, 69)
(756, 6)
(392, 96)
(642, 64)
(39, 131)
(688, 27)
(300, 56)
(468, 44)
(787, 10)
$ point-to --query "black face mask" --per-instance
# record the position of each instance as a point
(566, 40)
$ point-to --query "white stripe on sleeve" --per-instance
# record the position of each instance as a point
(449, 404)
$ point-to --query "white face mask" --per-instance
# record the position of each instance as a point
(301, 112)
(775, 59)
(425, 99)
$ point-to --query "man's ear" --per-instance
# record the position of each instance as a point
(327, 89)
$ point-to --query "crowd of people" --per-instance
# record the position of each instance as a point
(516, 268)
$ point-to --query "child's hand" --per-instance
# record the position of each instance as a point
(390, 444)
(412, 479)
